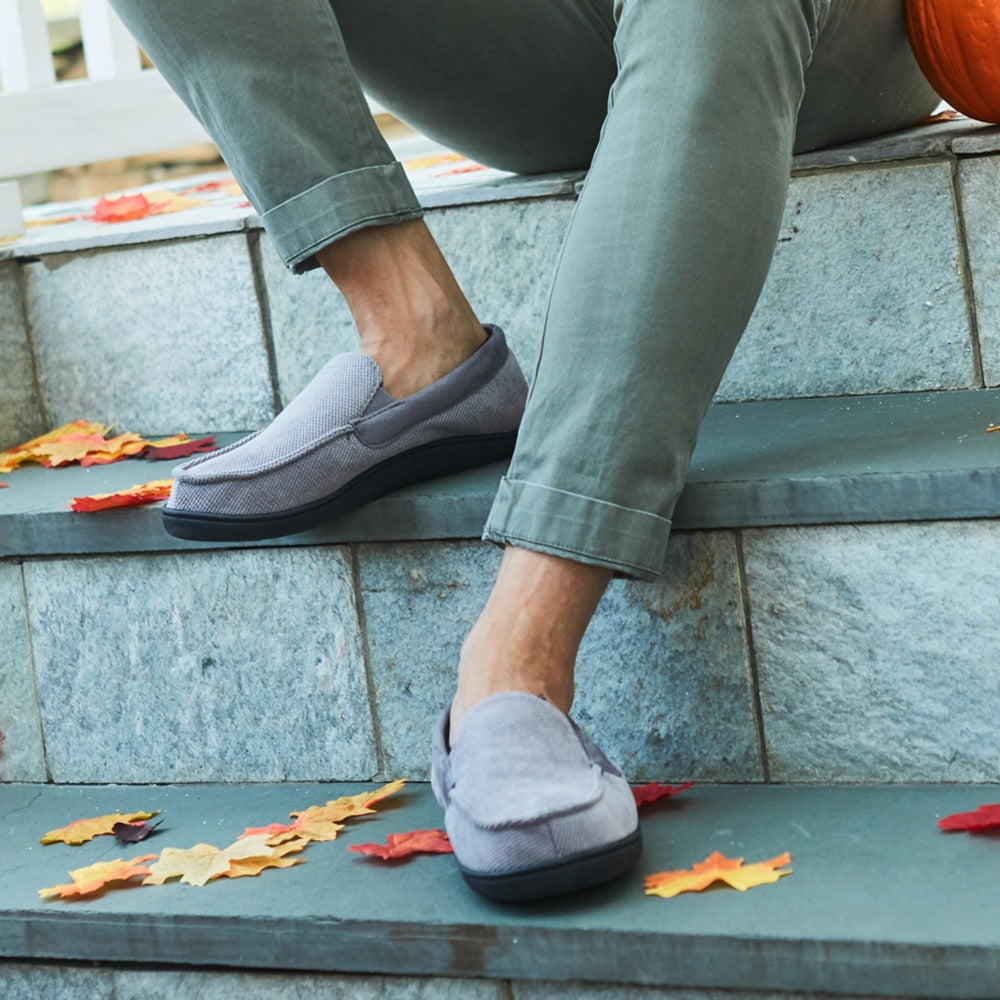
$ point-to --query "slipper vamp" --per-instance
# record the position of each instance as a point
(517, 763)
(323, 411)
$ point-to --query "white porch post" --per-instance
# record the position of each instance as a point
(110, 50)
(25, 59)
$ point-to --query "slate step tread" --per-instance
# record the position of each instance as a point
(829, 460)
(880, 902)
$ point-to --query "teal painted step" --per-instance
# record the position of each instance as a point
(881, 458)
(795, 652)
(880, 902)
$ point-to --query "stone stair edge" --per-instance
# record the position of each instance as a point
(960, 138)
(820, 931)
(827, 460)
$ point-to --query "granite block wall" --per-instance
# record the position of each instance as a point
(884, 280)
(848, 653)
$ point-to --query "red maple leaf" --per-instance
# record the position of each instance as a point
(402, 845)
(124, 209)
(180, 450)
(984, 818)
(159, 489)
(645, 794)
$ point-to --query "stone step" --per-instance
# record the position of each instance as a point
(880, 903)
(884, 280)
(827, 460)
(774, 647)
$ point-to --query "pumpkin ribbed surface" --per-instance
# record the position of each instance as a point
(957, 44)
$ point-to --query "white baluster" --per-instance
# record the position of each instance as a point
(25, 56)
(11, 220)
(110, 50)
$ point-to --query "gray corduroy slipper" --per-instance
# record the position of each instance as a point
(344, 442)
(532, 806)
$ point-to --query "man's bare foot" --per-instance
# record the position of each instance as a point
(527, 637)
(412, 316)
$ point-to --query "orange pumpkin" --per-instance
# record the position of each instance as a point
(957, 44)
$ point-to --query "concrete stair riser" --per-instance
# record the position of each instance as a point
(331, 662)
(67, 981)
(871, 291)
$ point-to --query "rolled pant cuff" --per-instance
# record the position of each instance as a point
(337, 206)
(576, 527)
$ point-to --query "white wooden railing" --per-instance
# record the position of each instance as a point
(119, 110)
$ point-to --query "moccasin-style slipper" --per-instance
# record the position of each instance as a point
(532, 806)
(344, 442)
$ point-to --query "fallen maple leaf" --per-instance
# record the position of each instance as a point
(36, 450)
(162, 202)
(944, 116)
(326, 821)
(158, 489)
(177, 447)
(403, 845)
(644, 794)
(984, 818)
(132, 833)
(469, 169)
(95, 877)
(82, 830)
(200, 864)
(114, 449)
(717, 868)
(125, 209)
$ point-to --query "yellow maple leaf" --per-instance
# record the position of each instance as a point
(717, 868)
(200, 864)
(82, 830)
(35, 449)
(95, 877)
(326, 821)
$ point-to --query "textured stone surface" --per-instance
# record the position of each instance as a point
(21, 981)
(662, 681)
(22, 756)
(503, 255)
(168, 984)
(161, 338)
(663, 675)
(20, 415)
(201, 666)
(864, 294)
(979, 181)
(419, 602)
(880, 902)
(619, 991)
(877, 650)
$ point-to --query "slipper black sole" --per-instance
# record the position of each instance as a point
(570, 874)
(429, 461)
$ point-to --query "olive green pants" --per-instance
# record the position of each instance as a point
(687, 113)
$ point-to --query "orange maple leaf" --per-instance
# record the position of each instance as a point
(125, 209)
(88, 449)
(82, 830)
(717, 868)
(114, 449)
(200, 864)
(158, 489)
(162, 202)
(36, 450)
(403, 845)
(93, 878)
(326, 821)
